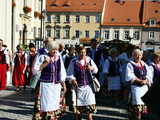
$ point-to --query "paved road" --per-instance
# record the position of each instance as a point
(19, 106)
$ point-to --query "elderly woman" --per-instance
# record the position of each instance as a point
(79, 72)
(52, 79)
(138, 76)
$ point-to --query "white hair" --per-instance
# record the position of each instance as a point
(137, 52)
(52, 45)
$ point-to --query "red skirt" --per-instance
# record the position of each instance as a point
(18, 77)
(3, 76)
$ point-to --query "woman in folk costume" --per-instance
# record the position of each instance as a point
(79, 73)
(52, 79)
(4, 66)
(19, 68)
(111, 69)
(138, 77)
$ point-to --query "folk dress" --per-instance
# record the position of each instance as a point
(83, 96)
(4, 62)
(19, 63)
(50, 83)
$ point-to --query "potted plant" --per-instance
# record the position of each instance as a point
(37, 14)
(13, 4)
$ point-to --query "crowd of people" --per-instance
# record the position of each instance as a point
(58, 74)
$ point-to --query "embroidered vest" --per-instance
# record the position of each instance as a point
(51, 73)
(83, 76)
(156, 73)
(2, 57)
(22, 59)
(140, 72)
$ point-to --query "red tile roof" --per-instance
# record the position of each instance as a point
(122, 12)
(74, 5)
(151, 11)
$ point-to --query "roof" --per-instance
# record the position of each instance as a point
(122, 12)
(74, 5)
(151, 11)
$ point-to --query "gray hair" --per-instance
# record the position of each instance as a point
(52, 45)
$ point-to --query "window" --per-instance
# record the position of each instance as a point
(77, 33)
(57, 19)
(106, 34)
(96, 34)
(97, 19)
(87, 19)
(67, 33)
(87, 33)
(48, 18)
(67, 19)
(152, 22)
(126, 35)
(136, 35)
(151, 35)
(116, 34)
(48, 32)
(77, 19)
(57, 33)
(35, 31)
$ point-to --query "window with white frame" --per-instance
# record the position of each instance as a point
(97, 34)
(152, 22)
(57, 33)
(57, 19)
(106, 34)
(67, 19)
(87, 19)
(97, 19)
(77, 32)
(116, 34)
(35, 31)
(87, 33)
(77, 19)
(67, 33)
(48, 32)
(136, 35)
(151, 35)
(126, 35)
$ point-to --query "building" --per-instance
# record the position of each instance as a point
(73, 20)
(27, 21)
(5, 22)
(133, 21)
(151, 23)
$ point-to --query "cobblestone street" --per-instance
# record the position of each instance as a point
(19, 106)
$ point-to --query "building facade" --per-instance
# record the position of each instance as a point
(5, 22)
(70, 20)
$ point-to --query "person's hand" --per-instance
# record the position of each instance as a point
(144, 82)
(89, 67)
(74, 83)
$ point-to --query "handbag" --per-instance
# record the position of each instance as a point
(95, 84)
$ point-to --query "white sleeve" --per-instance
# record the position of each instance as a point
(63, 70)
(130, 76)
(150, 73)
(26, 60)
(38, 61)
(14, 56)
(95, 69)
(106, 66)
(70, 71)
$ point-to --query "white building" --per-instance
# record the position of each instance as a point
(5, 22)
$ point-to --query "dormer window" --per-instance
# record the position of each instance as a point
(152, 22)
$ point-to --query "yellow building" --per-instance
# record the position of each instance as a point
(72, 20)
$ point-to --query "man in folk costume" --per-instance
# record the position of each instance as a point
(19, 68)
(52, 79)
(138, 77)
(4, 66)
(79, 73)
